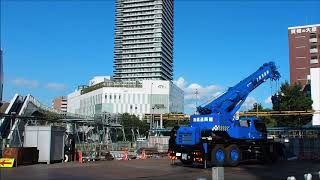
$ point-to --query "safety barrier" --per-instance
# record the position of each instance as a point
(307, 176)
(305, 148)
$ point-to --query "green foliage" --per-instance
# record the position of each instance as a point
(256, 107)
(289, 98)
(92, 88)
(129, 122)
(172, 123)
(268, 120)
(292, 98)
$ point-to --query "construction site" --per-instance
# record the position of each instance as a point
(44, 142)
(144, 121)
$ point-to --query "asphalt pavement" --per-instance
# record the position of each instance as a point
(157, 169)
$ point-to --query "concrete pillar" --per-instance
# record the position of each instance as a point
(161, 121)
(308, 177)
(291, 178)
(217, 173)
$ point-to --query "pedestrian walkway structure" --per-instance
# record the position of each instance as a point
(24, 110)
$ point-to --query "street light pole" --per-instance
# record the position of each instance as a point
(151, 108)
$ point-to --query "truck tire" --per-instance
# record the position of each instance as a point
(233, 155)
(218, 155)
(269, 157)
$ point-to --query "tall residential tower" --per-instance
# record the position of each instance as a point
(143, 40)
(304, 49)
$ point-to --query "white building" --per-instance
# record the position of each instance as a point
(139, 98)
(315, 95)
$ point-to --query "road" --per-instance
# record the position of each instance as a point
(156, 170)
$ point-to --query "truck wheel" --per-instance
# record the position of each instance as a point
(233, 155)
(274, 157)
(268, 157)
(218, 155)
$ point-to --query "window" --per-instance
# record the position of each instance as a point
(260, 126)
(244, 123)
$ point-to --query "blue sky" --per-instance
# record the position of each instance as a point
(51, 47)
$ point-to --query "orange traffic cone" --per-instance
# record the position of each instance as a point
(143, 154)
(80, 156)
(125, 157)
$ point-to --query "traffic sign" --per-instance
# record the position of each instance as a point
(6, 162)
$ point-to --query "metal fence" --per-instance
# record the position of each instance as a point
(304, 143)
(305, 148)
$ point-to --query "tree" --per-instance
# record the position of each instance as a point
(268, 120)
(129, 122)
(292, 98)
(173, 123)
(256, 107)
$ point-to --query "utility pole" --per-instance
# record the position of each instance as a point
(196, 93)
(151, 109)
(257, 106)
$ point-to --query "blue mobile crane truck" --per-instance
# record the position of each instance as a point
(217, 137)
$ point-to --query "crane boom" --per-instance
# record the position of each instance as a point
(230, 102)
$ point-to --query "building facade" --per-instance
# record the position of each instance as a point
(315, 95)
(138, 98)
(60, 103)
(304, 48)
(1, 76)
(143, 40)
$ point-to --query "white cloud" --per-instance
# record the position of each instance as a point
(248, 104)
(55, 86)
(204, 93)
(181, 83)
(268, 100)
(21, 82)
(191, 106)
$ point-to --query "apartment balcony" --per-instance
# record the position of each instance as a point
(314, 50)
(314, 61)
(313, 40)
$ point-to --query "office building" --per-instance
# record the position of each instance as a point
(143, 40)
(60, 103)
(304, 48)
(133, 97)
